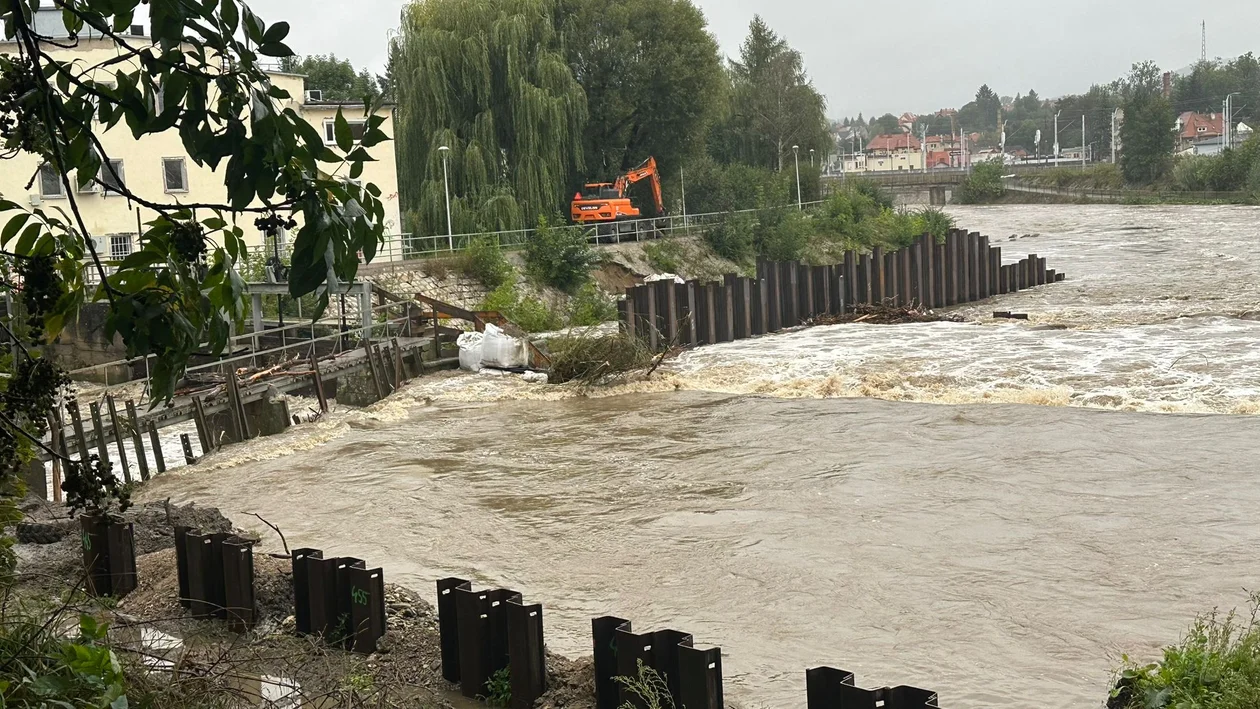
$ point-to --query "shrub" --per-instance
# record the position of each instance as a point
(592, 359)
(591, 307)
(484, 262)
(734, 239)
(665, 255)
(1216, 666)
(561, 258)
(934, 221)
(1192, 174)
(528, 313)
(873, 191)
(984, 185)
(783, 235)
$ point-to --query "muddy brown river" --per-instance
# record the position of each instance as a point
(992, 511)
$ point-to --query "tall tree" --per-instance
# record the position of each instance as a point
(336, 78)
(488, 80)
(774, 105)
(1147, 135)
(652, 76)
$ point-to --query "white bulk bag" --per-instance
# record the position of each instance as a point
(498, 349)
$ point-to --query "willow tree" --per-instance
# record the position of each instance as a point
(488, 80)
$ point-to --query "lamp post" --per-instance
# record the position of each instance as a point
(796, 153)
(811, 157)
(446, 182)
(1227, 141)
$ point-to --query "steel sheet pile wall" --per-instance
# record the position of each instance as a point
(963, 268)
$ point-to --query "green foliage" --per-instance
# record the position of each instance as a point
(1215, 666)
(499, 689)
(559, 257)
(336, 78)
(40, 668)
(528, 313)
(489, 80)
(1103, 176)
(180, 291)
(591, 306)
(649, 686)
(665, 255)
(783, 234)
(591, 359)
(1147, 133)
(773, 105)
(1202, 89)
(484, 262)
(983, 185)
(653, 79)
(734, 238)
(713, 187)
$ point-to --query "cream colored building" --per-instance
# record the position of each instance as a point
(156, 167)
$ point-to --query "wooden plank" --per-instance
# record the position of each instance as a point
(376, 376)
(59, 445)
(137, 440)
(398, 361)
(908, 291)
(203, 430)
(102, 448)
(927, 262)
(711, 305)
(654, 333)
(982, 262)
(158, 459)
(892, 289)
(318, 380)
(671, 311)
(189, 458)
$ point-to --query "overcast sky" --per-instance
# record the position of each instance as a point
(916, 55)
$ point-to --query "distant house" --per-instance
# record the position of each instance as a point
(940, 142)
(889, 153)
(1194, 127)
(940, 159)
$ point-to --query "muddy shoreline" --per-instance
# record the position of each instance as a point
(149, 628)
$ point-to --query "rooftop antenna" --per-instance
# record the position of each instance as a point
(1203, 51)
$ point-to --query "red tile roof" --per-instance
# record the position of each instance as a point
(1197, 125)
(889, 143)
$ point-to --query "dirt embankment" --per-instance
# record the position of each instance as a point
(271, 659)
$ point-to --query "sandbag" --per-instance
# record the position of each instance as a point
(470, 351)
(498, 349)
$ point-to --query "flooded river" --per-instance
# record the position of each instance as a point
(882, 499)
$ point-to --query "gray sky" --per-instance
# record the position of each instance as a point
(917, 55)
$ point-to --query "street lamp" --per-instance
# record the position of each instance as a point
(811, 157)
(1227, 140)
(446, 181)
(796, 153)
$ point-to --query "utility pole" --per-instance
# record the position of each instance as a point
(1056, 138)
(446, 181)
(796, 153)
(1082, 142)
(923, 147)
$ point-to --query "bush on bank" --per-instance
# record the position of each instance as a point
(1215, 666)
(858, 215)
(983, 185)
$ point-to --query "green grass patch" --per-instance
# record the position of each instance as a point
(1215, 666)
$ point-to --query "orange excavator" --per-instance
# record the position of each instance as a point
(601, 202)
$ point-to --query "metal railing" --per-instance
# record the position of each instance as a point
(408, 247)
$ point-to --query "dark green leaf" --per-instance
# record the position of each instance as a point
(11, 228)
(276, 33)
(341, 130)
(26, 242)
(275, 49)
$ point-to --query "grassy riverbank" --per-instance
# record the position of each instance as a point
(1216, 665)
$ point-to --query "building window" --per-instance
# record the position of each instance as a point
(112, 175)
(175, 174)
(357, 129)
(119, 247)
(50, 182)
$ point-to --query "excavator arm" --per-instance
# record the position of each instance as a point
(646, 171)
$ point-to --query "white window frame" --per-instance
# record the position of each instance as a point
(61, 188)
(120, 170)
(115, 252)
(183, 168)
(330, 130)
